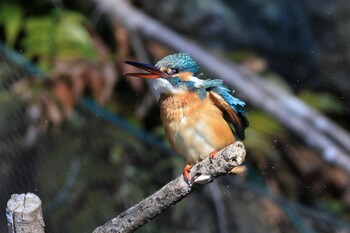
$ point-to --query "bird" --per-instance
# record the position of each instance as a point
(199, 116)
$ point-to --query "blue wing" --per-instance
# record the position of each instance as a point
(231, 106)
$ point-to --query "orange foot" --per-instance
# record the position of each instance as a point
(212, 154)
(187, 169)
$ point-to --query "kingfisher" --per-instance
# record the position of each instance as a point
(199, 116)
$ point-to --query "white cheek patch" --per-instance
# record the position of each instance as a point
(198, 83)
(162, 85)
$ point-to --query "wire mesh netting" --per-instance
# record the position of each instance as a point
(76, 169)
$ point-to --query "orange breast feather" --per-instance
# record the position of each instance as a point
(194, 127)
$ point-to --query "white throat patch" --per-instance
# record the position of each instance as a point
(162, 85)
(198, 83)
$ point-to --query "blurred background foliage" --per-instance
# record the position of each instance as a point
(60, 61)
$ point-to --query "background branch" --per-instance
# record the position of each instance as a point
(313, 127)
(173, 192)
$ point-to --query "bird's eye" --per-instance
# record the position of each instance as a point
(173, 71)
(169, 71)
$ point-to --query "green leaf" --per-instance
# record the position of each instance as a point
(278, 81)
(38, 41)
(239, 56)
(264, 124)
(256, 141)
(11, 17)
(323, 101)
(263, 130)
(72, 38)
(59, 35)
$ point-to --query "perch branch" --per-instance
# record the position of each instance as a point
(314, 128)
(173, 192)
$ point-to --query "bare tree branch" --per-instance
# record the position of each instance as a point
(173, 192)
(317, 130)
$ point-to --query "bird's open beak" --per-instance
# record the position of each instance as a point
(154, 72)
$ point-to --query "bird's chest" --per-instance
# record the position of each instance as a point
(180, 111)
(187, 123)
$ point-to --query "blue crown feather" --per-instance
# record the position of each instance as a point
(180, 61)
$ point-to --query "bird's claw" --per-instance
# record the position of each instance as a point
(186, 172)
(211, 155)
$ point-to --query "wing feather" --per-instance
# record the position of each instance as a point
(229, 105)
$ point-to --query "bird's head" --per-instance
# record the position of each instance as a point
(174, 73)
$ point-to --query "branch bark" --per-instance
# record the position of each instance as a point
(314, 128)
(177, 189)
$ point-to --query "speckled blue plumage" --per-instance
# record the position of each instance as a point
(180, 61)
(218, 87)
